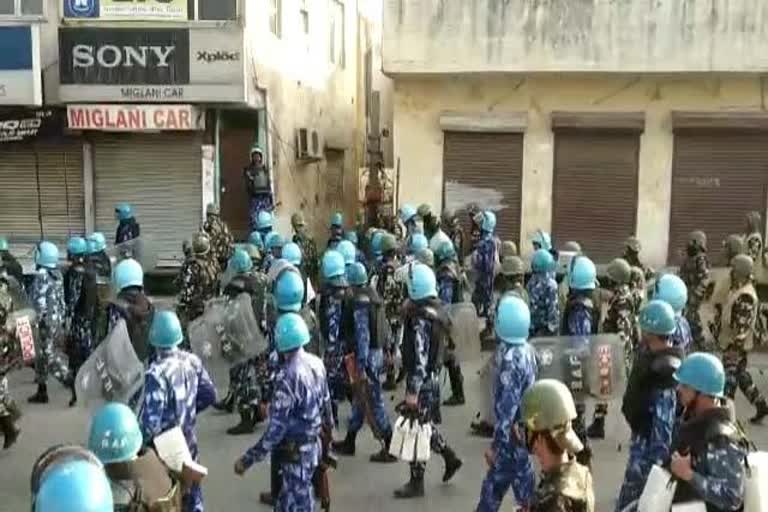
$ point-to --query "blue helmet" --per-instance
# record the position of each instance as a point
(264, 220)
(256, 239)
(4, 244)
(123, 211)
(421, 282)
(376, 240)
(418, 243)
(290, 332)
(357, 275)
(348, 251)
(407, 213)
(128, 273)
(489, 221)
(77, 246)
(289, 290)
(445, 251)
(274, 240)
(47, 255)
(583, 274)
(351, 236)
(292, 253)
(513, 320)
(658, 317)
(672, 290)
(333, 265)
(98, 240)
(542, 261)
(337, 220)
(74, 486)
(543, 240)
(166, 330)
(115, 434)
(702, 372)
(241, 261)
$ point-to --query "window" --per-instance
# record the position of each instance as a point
(276, 17)
(337, 33)
(32, 8)
(213, 10)
(304, 16)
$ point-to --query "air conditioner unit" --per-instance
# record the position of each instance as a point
(309, 144)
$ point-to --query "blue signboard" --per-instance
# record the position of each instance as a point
(81, 8)
(16, 43)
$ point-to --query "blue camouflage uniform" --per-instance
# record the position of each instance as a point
(176, 388)
(300, 407)
(516, 372)
(47, 295)
(332, 302)
(484, 261)
(683, 337)
(544, 304)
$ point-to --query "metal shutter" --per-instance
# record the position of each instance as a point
(60, 165)
(718, 176)
(595, 190)
(487, 169)
(160, 176)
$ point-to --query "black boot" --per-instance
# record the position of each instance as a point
(452, 464)
(227, 404)
(401, 376)
(10, 431)
(41, 397)
(266, 498)
(347, 446)
(597, 429)
(457, 386)
(73, 398)
(383, 456)
(413, 489)
(390, 384)
(762, 412)
(246, 425)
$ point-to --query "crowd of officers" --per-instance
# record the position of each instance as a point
(371, 312)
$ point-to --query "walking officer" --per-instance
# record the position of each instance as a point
(671, 289)
(257, 183)
(542, 295)
(450, 287)
(128, 227)
(695, 274)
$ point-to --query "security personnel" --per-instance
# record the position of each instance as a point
(409, 218)
(377, 253)
(47, 296)
(222, 242)
(474, 226)
(452, 227)
(631, 255)
(542, 240)
(97, 255)
(138, 478)
(509, 464)
(10, 359)
(671, 289)
(308, 247)
(695, 274)
(298, 415)
(753, 238)
(649, 402)
(508, 249)
(565, 485)
(542, 295)
(292, 254)
(273, 246)
(255, 249)
(511, 278)
(416, 243)
(11, 264)
(335, 230)
(348, 251)
(708, 453)
(264, 225)
(581, 318)
(74, 485)
(450, 288)
(484, 264)
(425, 328)
(127, 227)
(369, 358)
(392, 293)
(257, 183)
(734, 327)
(197, 281)
(132, 305)
(82, 300)
(176, 389)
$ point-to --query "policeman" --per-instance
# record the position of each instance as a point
(542, 294)
(377, 253)
(176, 389)
(197, 281)
(541, 240)
(292, 254)
(450, 287)
(581, 317)
(452, 227)
(649, 401)
(47, 295)
(132, 305)
(273, 245)
(508, 461)
(508, 248)
(409, 218)
(335, 231)
(351, 237)
(619, 319)
(81, 299)
(416, 243)
(10, 359)
(631, 255)
(255, 249)
(258, 185)
(97, 255)
(734, 327)
(695, 274)
(754, 237)
(308, 247)
(733, 245)
(12, 266)
(671, 289)
(298, 415)
(511, 278)
(484, 263)
(264, 225)
(74, 485)
(426, 257)
(565, 485)
(348, 252)
(127, 227)
(474, 226)
(334, 324)
(392, 293)
(708, 454)
(138, 479)
(222, 242)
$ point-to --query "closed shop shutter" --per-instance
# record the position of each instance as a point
(487, 169)
(594, 194)
(60, 166)
(718, 176)
(160, 176)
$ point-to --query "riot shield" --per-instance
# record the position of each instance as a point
(607, 371)
(465, 329)
(486, 386)
(23, 324)
(277, 267)
(564, 358)
(113, 372)
(242, 328)
(141, 249)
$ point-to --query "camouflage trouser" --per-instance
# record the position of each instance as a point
(49, 361)
(737, 376)
(248, 382)
(80, 343)
(7, 405)
(429, 410)
(693, 315)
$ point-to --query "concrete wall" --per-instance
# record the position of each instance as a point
(419, 104)
(441, 36)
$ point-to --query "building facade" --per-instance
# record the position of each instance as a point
(592, 120)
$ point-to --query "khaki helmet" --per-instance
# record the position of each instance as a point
(512, 266)
(212, 209)
(571, 246)
(508, 248)
(734, 245)
(253, 252)
(297, 219)
(426, 257)
(619, 271)
(449, 216)
(424, 210)
(548, 407)
(201, 244)
(698, 238)
(388, 243)
(741, 266)
(633, 244)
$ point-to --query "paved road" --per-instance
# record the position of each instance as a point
(358, 485)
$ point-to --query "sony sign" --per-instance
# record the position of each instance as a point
(111, 56)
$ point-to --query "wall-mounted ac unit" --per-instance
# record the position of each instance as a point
(309, 144)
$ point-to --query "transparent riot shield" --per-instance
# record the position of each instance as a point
(465, 329)
(113, 372)
(242, 328)
(141, 249)
(22, 322)
(607, 371)
(277, 268)
(564, 358)
(486, 386)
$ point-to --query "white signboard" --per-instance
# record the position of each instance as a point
(135, 118)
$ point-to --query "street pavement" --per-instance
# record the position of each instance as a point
(357, 485)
